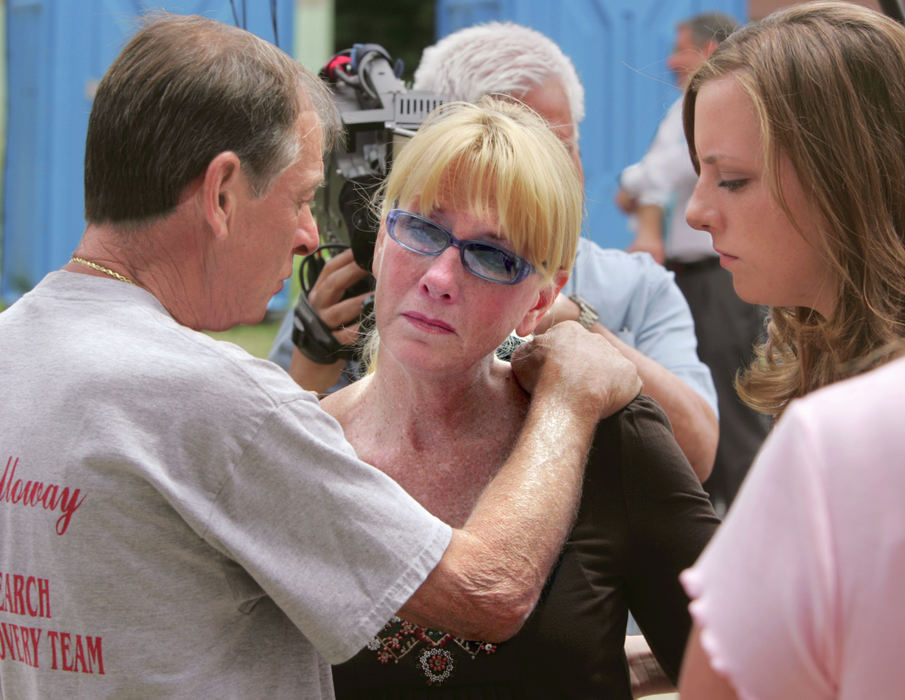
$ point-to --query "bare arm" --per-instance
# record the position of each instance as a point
(492, 573)
(647, 676)
(693, 421)
(649, 232)
(626, 201)
(698, 679)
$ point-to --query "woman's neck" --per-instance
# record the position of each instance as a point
(441, 435)
(438, 402)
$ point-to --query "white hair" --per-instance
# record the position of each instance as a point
(497, 58)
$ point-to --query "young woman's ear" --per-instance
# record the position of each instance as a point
(545, 298)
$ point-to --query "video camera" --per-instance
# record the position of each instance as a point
(378, 115)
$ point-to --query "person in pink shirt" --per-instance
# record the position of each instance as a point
(796, 125)
(800, 593)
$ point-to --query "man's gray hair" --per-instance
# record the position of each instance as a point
(497, 58)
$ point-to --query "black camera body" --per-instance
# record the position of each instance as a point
(378, 114)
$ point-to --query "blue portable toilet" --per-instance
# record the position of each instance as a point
(619, 48)
(57, 52)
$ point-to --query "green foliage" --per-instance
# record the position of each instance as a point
(255, 339)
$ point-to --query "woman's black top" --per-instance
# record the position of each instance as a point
(644, 517)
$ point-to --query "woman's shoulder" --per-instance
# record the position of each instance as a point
(341, 404)
(642, 416)
(640, 442)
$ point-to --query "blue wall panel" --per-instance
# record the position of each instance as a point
(619, 48)
(58, 51)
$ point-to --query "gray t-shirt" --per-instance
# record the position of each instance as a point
(177, 518)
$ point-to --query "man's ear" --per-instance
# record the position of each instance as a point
(545, 298)
(220, 190)
(709, 47)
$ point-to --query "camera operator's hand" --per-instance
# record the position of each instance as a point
(326, 298)
(573, 368)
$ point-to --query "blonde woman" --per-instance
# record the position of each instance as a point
(481, 215)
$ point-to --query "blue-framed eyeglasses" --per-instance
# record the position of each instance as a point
(485, 260)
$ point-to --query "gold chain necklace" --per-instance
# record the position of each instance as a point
(101, 268)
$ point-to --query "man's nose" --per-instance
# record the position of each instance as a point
(307, 236)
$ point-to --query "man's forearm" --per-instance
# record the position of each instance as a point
(488, 581)
(492, 573)
(693, 421)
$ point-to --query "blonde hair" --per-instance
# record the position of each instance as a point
(495, 157)
(827, 80)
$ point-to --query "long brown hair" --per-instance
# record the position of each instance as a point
(827, 80)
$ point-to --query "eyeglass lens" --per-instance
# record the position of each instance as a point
(484, 260)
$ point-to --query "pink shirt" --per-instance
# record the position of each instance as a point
(801, 593)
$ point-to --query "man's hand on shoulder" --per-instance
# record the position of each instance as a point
(581, 368)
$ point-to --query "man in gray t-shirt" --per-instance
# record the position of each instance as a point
(179, 519)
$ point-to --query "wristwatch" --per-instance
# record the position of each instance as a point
(587, 314)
